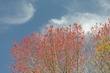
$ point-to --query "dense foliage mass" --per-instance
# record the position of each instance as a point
(64, 50)
(59, 50)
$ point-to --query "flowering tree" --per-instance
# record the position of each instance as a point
(101, 48)
(59, 50)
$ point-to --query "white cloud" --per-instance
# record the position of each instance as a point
(86, 19)
(19, 14)
(63, 20)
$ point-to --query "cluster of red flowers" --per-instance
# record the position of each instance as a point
(59, 50)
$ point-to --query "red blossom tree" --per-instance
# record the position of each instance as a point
(59, 50)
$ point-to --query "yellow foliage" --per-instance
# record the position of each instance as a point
(104, 46)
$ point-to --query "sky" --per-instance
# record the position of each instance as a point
(19, 18)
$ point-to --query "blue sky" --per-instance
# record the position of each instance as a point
(19, 18)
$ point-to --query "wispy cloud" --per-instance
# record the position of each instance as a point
(105, 4)
(86, 18)
(16, 12)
